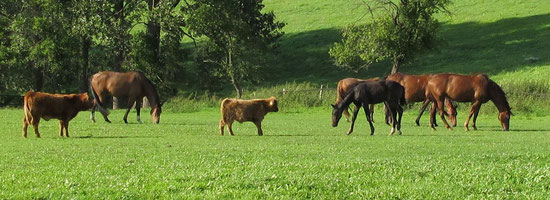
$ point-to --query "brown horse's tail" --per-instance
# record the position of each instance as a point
(102, 109)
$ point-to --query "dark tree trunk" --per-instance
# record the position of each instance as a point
(85, 57)
(396, 63)
(38, 79)
(119, 38)
(153, 34)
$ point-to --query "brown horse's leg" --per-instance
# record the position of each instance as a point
(355, 111)
(475, 106)
(102, 99)
(440, 107)
(138, 109)
(346, 113)
(368, 114)
(475, 117)
(131, 102)
(424, 105)
(259, 126)
(25, 126)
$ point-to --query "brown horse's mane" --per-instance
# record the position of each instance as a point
(155, 92)
(498, 91)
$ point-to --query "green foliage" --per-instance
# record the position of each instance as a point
(238, 35)
(400, 32)
(300, 156)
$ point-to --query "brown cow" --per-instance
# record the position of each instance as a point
(344, 86)
(64, 107)
(246, 110)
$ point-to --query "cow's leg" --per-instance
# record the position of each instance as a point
(138, 109)
(355, 111)
(61, 127)
(229, 128)
(66, 124)
(368, 114)
(131, 102)
(92, 113)
(259, 126)
(221, 126)
(35, 122)
(25, 126)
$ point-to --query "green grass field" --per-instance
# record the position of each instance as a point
(299, 156)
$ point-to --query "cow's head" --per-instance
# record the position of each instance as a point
(155, 113)
(85, 101)
(273, 104)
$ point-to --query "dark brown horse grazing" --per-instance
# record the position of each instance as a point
(372, 92)
(477, 89)
(344, 86)
(415, 91)
(130, 85)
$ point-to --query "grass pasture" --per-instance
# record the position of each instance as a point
(299, 156)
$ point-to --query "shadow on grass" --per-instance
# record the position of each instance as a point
(471, 47)
(112, 137)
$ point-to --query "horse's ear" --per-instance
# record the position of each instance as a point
(333, 106)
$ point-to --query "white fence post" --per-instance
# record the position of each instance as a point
(321, 92)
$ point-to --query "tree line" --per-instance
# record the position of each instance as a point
(55, 45)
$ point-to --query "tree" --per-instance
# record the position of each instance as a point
(238, 35)
(398, 31)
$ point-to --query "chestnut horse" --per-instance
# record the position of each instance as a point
(344, 86)
(415, 91)
(130, 85)
(477, 89)
(368, 93)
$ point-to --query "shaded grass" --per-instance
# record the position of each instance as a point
(299, 156)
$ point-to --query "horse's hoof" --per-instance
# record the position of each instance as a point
(108, 121)
(400, 132)
(348, 133)
(140, 122)
(475, 128)
(417, 123)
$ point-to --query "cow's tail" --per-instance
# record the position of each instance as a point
(27, 110)
(102, 109)
(222, 108)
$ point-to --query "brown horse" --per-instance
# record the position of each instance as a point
(130, 85)
(477, 89)
(346, 85)
(415, 91)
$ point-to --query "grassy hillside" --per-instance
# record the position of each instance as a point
(479, 37)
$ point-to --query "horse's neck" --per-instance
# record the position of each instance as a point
(348, 99)
(152, 96)
(499, 99)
